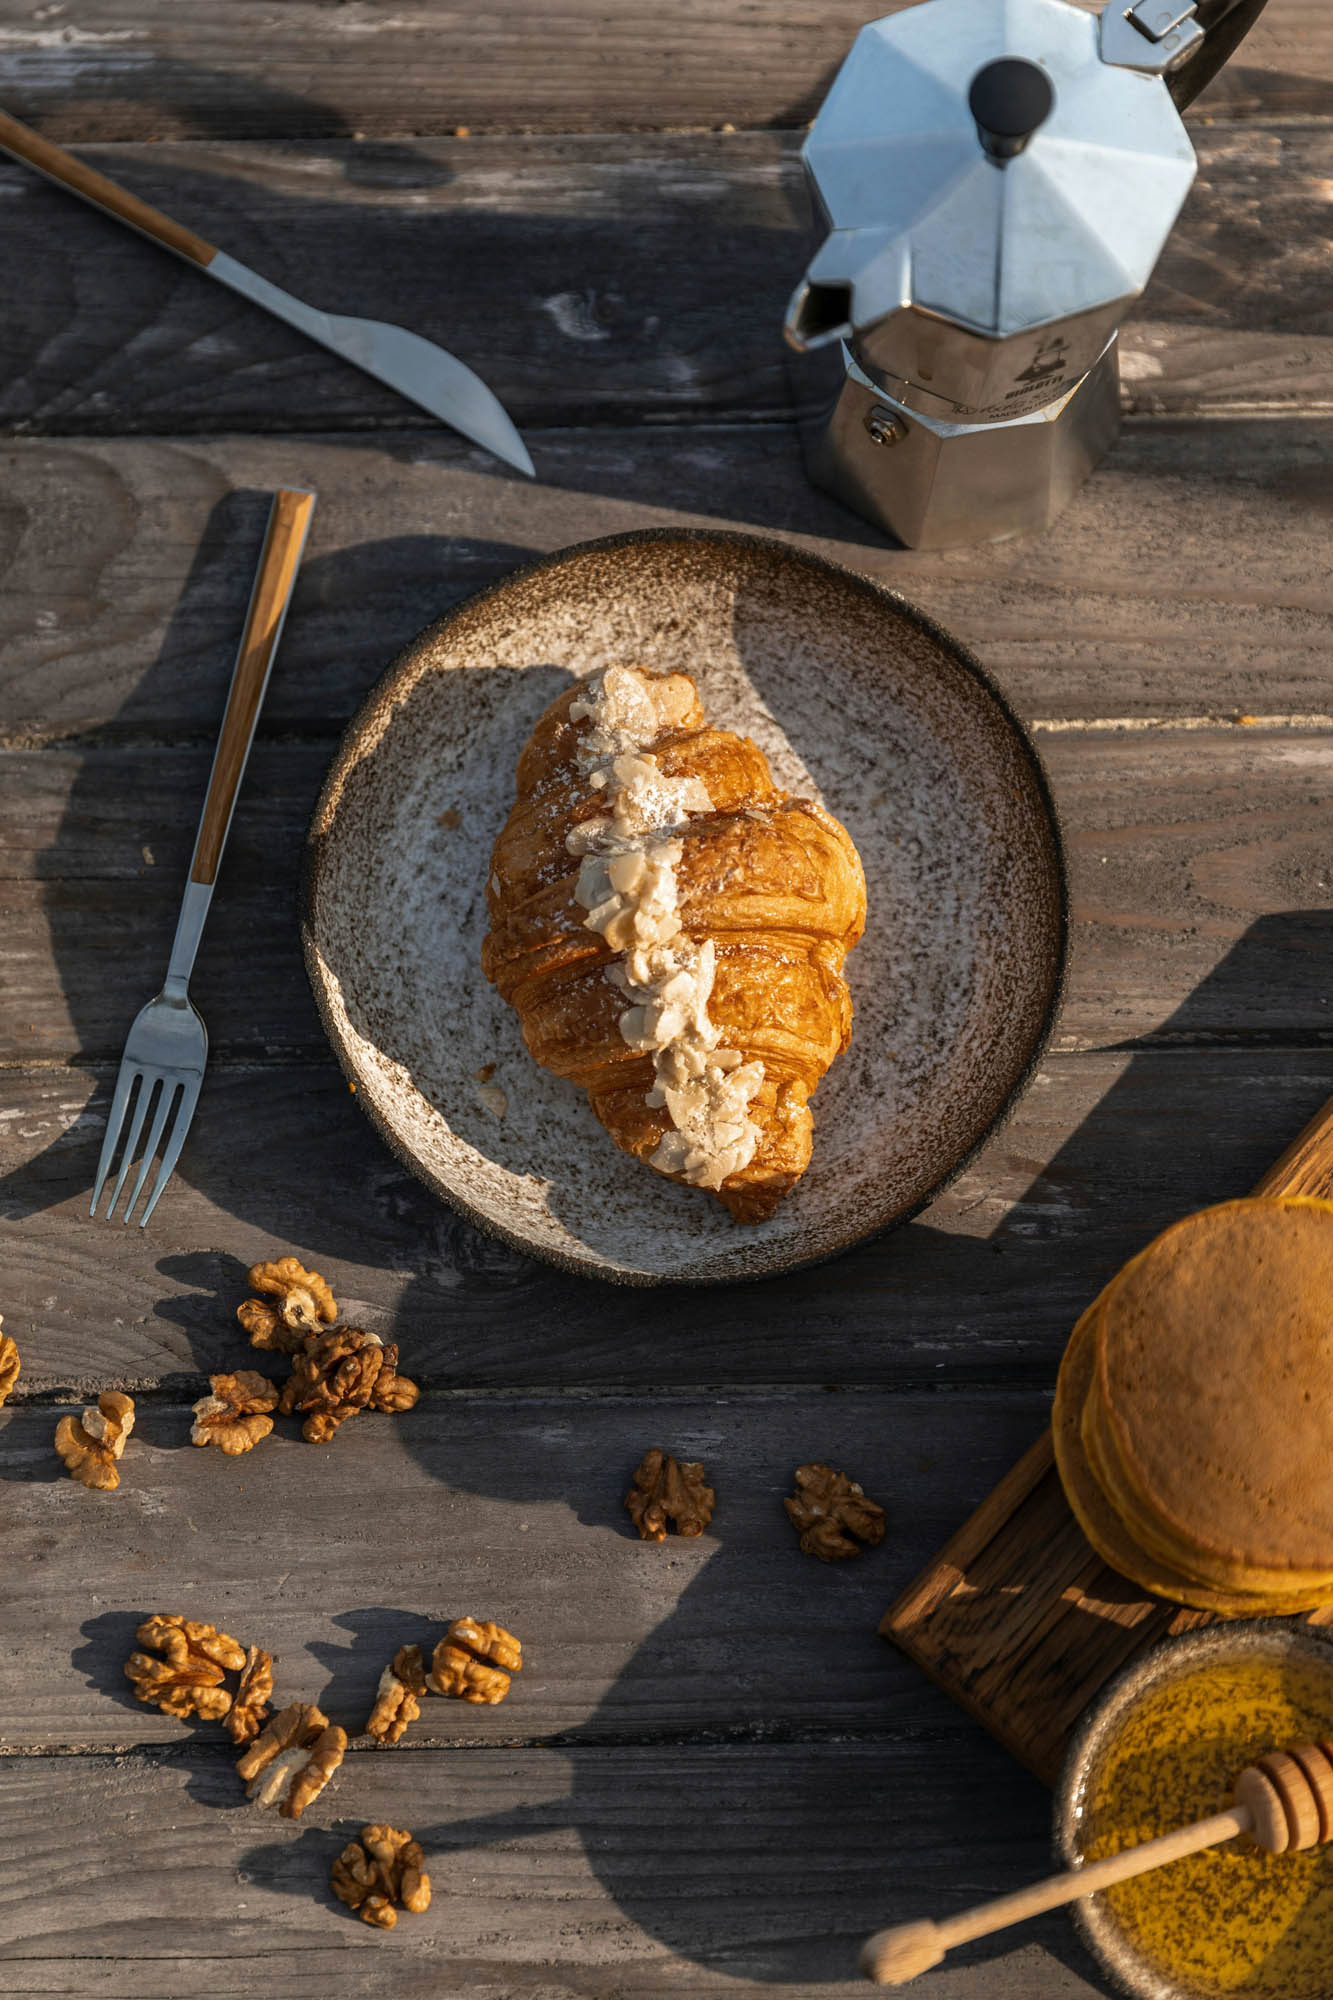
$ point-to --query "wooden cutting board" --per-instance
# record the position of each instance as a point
(1017, 1617)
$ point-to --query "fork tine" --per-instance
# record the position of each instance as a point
(148, 1082)
(115, 1118)
(171, 1153)
(166, 1098)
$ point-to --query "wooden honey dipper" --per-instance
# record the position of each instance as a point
(1284, 1801)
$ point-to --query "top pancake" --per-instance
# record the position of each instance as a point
(1214, 1386)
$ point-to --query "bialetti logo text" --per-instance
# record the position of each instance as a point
(1046, 366)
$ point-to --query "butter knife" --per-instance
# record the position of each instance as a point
(416, 368)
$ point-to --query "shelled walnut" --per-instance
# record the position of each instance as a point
(303, 1303)
(9, 1364)
(830, 1509)
(665, 1490)
(474, 1661)
(398, 1696)
(249, 1710)
(334, 1375)
(235, 1417)
(187, 1680)
(292, 1759)
(384, 1868)
(91, 1444)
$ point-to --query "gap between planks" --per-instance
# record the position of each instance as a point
(108, 737)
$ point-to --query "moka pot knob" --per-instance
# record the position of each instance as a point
(1009, 99)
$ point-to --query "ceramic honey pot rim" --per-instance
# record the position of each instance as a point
(1268, 1637)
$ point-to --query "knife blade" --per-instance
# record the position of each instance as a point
(416, 368)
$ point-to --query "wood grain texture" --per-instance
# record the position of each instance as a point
(983, 1288)
(1017, 1615)
(492, 1507)
(586, 279)
(591, 1874)
(1189, 577)
(1202, 891)
(1306, 1168)
(147, 69)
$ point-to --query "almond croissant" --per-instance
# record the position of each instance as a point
(671, 930)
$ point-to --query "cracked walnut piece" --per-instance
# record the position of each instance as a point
(292, 1759)
(398, 1696)
(665, 1490)
(829, 1509)
(475, 1661)
(235, 1416)
(9, 1364)
(91, 1444)
(384, 1868)
(304, 1303)
(336, 1374)
(188, 1679)
(249, 1710)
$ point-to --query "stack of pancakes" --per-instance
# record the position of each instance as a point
(1194, 1414)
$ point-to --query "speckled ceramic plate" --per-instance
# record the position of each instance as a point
(1274, 1952)
(852, 694)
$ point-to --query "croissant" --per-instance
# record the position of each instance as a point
(671, 929)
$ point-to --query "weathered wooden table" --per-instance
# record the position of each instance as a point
(712, 1776)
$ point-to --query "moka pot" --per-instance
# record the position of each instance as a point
(997, 179)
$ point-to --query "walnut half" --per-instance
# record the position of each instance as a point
(9, 1364)
(384, 1868)
(91, 1444)
(235, 1417)
(187, 1680)
(829, 1509)
(336, 1374)
(292, 1759)
(249, 1710)
(303, 1302)
(398, 1696)
(665, 1490)
(474, 1661)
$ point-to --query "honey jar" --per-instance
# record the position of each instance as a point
(1163, 1747)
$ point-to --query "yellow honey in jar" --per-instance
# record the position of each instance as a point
(1234, 1919)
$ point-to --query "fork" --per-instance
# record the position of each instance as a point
(168, 1044)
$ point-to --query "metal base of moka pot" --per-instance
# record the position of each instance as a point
(934, 484)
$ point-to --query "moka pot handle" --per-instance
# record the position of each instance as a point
(1225, 24)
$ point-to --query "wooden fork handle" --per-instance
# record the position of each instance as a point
(288, 520)
(70, 173)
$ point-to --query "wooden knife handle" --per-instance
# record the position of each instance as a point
(281, 558)
(94, 187)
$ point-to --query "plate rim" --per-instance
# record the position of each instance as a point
(381, 692)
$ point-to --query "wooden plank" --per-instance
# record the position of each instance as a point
(114, 832)
(596, 279)
(607, 1874)
(150, 70)
(495, 1508)
(1104, 1151)
(1190, 576)
(1201, 891)
(1018, 1616)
